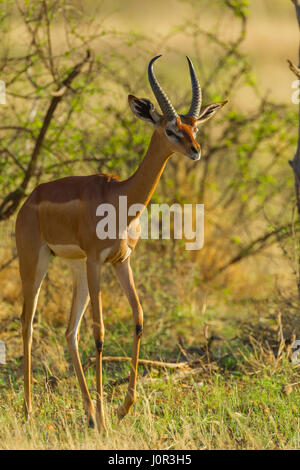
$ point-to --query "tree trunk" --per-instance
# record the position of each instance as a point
(295, 163)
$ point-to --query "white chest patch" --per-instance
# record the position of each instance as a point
(108, 251)
(128, 252)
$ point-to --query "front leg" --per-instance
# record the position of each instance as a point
(124, 273)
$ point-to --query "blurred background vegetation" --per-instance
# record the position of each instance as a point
(67, 114)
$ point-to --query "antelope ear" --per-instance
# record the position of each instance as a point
(209, 111)
(143, 109)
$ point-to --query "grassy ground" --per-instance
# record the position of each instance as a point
(232, 396)
(239, 405)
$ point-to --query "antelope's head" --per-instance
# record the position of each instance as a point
(179, 130)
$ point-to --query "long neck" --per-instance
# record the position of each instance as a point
(141, 185)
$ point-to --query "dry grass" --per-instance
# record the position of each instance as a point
(234, 399)
(244, 400)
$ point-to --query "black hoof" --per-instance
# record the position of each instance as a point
(91, 423)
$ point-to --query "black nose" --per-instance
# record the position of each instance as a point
(193, 149)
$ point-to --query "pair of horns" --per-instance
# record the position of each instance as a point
(165, 104)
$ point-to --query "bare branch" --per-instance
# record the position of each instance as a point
(145, 362)
(294, 69)
(12, 200)
(254, 247)
(8, 263)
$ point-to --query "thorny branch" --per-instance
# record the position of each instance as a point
(12, 200)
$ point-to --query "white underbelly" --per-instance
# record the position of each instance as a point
(75, 252)
(67, 251)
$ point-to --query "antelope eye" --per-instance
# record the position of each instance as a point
(170, 133)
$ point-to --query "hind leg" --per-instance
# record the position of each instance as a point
(32, 278)
(34, 257)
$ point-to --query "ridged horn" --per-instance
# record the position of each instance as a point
(196, 90)
(165, 104)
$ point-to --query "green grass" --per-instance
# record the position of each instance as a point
(233, 399)
(234, 402)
